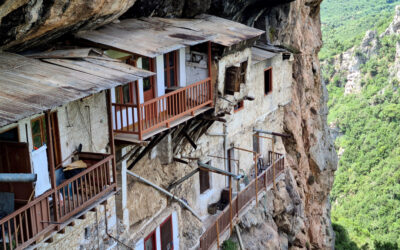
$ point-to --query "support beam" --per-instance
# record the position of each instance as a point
(239, 237)
(189, 140)
(152, 144)
(183, 203)
(270, 133)
(180, 181)
(217, 170)
(180, 161)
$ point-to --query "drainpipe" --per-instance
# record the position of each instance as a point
(18, 177)
(108, 234)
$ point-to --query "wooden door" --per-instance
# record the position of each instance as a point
(166, 231)
(14, 158)
(149, 82)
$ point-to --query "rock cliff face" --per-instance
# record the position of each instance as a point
(301, 209)
(26, 23)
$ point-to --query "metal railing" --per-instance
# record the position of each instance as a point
(240, 202)
(36, 219)
(161, 111)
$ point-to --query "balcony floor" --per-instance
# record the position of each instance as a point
(132, 138)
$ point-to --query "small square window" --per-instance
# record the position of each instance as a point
(268, 81)
(239, 106)
(204, 176)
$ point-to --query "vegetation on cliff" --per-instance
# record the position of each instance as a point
(366, 193)
(345, 22)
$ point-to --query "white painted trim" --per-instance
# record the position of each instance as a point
(160, 88)
(182, 67)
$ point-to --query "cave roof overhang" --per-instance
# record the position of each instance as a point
(30, 86)
(154, 36)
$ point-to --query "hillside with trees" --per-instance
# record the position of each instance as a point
(361, 71)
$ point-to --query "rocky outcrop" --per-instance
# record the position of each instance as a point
(394, 27)
(26, 23)
(300, 217)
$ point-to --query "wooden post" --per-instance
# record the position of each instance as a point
(256, 171)
(139, 111)
(51, 164)
(273, 162)
(209, 72)
(217, 228)
(230, 202)
(111, 136)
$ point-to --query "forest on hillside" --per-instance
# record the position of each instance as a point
(366, 192)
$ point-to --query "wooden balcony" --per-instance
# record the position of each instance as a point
(37, 219)
(228, 217)
(151, 117)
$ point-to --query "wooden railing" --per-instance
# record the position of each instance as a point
(161, 111)
(239, 203)
(36, 219)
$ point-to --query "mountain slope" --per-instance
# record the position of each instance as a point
(366, 193)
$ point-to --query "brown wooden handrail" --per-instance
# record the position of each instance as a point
(209, 237)
(35, 220)
(161, 111)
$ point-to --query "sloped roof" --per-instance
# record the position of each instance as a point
(153, 36)
(30, 86)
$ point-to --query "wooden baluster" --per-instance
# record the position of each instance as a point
(9, 234)
(21, 228)
(28, 234)
(73, 194)
(4, 236)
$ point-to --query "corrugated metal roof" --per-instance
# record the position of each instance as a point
(30, 86)
(155, 36)
(259, 55)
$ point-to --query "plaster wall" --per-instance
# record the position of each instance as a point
(145, 204)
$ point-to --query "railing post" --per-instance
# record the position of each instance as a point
(256, 170)
(111, 138)
(51, 165)
(230, 202)
(210, 74)
(139, 111)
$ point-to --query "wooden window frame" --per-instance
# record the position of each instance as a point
(130, 60)
(270, 81)
(42, 132)
(243, 72)
(168, 68)
(54, 132)
(154, 241)
(172, 230)
(120, 99)
(239, 106)
(202, 191)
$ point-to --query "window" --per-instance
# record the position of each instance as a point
(204, 179)
(150, 241)
(268, 81)
(124, 94)
(243, 70)
(239, 106)
(167, 241)
(148, 83)
(234, 76)
(39, 132)
(170, 69)
(39, 135)
(10, 135)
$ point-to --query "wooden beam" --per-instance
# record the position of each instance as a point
(178, 182)
(151, 145)
(189, 139)
(180, 161)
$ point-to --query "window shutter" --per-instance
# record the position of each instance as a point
(232, 80)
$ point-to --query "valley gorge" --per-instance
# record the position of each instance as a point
(297, 214)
